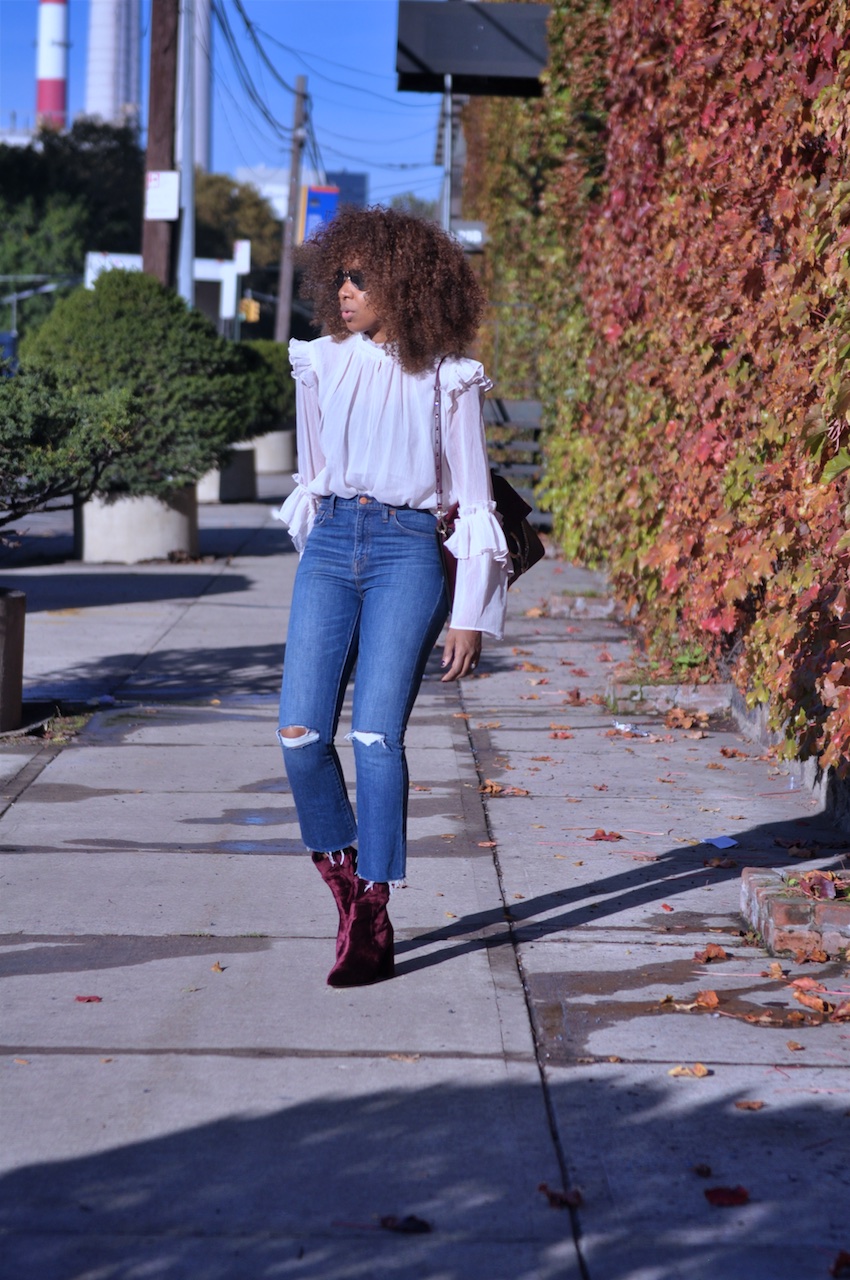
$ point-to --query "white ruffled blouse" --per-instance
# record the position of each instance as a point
(366, 426)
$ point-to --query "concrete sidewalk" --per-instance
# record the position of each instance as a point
(220, 1112)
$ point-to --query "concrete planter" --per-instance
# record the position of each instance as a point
(127, 530)
(235, 482)
(275, 451)
(13, 607)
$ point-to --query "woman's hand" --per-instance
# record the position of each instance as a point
(461, 653)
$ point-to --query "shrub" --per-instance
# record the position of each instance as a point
(53, 443)
(193, 394)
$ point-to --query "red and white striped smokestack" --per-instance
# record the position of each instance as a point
(52, 65)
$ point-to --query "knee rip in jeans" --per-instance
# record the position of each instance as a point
(297, 736)
(367, 739)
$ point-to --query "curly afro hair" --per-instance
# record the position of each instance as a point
(417, 277)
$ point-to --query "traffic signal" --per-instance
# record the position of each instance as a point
(249, 309)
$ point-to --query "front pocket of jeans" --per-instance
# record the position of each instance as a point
(414, 524)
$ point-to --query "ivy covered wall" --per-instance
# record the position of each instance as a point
(676, 214)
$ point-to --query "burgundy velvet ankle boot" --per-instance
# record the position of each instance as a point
(365, 954)
(339, 872)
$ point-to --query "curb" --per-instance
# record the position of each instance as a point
(789, 923)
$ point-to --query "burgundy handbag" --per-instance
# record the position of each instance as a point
(524, 545)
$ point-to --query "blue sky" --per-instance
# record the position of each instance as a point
(346, 50)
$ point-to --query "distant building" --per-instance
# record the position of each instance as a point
(274, 185)
(114, 63)
(353, 187)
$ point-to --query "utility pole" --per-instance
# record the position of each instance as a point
(284, 291)
(448, 157)
(157, 237)
(186, 250)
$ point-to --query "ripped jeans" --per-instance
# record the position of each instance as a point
(369, 590)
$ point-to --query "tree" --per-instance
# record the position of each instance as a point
(40, 241)
(409, 202)
(192, 393)
(98, 166)
(226, 211)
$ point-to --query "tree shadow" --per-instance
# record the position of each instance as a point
(676, 871)
(251, 1191)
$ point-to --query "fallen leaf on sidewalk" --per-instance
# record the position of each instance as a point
(715, 764)
(601, 834)
(600, 786)
(545, 759)
(553, 725)
(719, 864)
(515, 791)
(407, 1226)
(807, 984)
(775, 971)
(21, 1062)
(707, 1000)
(815, 955)
(542, 680)
(529, 666)
(793, 1045)
(218, 967)
(680, 718)
(665, 906)
(712, 952)
(570, 1199)
(813, 1002)
(574, 699)
(461, 715)
(727, 1197)
(486, 844)
(561, 734)
(88, 999)
(732, 753)
(490, 788)
(749, 1104)
(415, 787)
(580, 672)
(536, 612)
(404, 1057)
(840, 1012)
(489, 724)
(604, 656)
(698, 1070)
(517, 652)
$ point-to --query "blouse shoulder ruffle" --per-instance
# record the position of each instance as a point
(301, 359)
(298, 512)
(458, 376)
(478, 532)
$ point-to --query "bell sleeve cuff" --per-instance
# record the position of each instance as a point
(298, 513)
(479, 546)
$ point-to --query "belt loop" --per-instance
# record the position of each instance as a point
(385, 512)
(332, 500)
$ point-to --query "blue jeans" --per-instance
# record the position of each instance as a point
(369, 590)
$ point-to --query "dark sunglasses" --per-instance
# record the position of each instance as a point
(356, 277)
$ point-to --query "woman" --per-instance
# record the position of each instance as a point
(398, 304)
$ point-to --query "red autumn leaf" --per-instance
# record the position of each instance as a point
(707, 999)
(574, 699)
(88, 999)
(665, 906)
(410, 1225)
(749, 1104)
(570, 1199)
(807, 984)
(712, 952)
(561, 733)
(604, 656)
(580, 672)
(601, 834)
(727, 1197)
